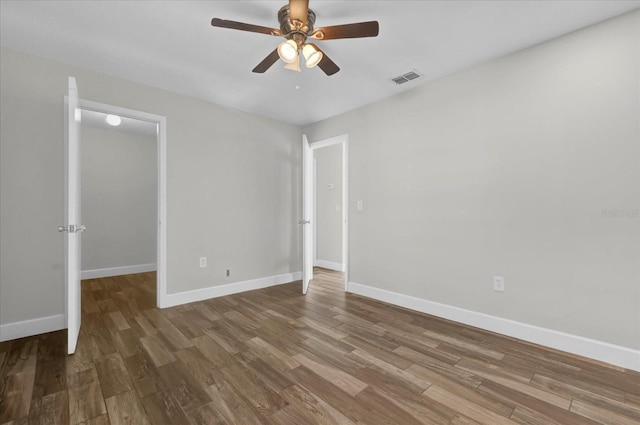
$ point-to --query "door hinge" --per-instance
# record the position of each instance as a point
(72, 228)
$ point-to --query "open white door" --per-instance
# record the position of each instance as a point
(307, 208)
(72, 227)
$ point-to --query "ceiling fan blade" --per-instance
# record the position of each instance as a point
(299, 9)
(223, 23)
(327, 65)
(358, 30)
(267, 62)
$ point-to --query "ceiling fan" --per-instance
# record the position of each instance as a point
(296, 26)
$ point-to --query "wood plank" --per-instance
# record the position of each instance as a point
(211, 414)
(52, 409)
(541, 407)
(276, 379)
(119, 320)
(127, 342)
(602, 414)
(465, 407)
(113, 375)
(271, 354)
(189, 393)
(126, 409)
(85, 396)
(370, 346)
(100, 420)
(525, 416)
(15, 396)
(412, 381)
(258, 394)
(213, 351)
(463, 389)
(159, 354)
(320, 327)
(373, 400)
(397, 392)
(570, 387)
(244, 411)
(524, 388)
(426, 356)
(162, 408)
(143, 373)
(204, 371)
(340, 379)
(313, 409)
(50, 374)
(464, 345)
(336, 397)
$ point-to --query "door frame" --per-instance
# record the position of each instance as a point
(342, 139)
(161, 140)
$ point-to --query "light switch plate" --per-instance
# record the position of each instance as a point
(498, 283)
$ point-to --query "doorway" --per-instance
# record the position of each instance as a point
(154, 127)
(311, 186)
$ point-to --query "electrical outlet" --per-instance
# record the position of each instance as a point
(228, 273)
(203, 262)
(498, 283)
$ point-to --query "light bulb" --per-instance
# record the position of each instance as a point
(113, 120)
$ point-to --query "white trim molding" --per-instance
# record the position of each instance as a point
(161, 121)
(590, 348)
(329, 265)
(32, 327)
(118, 271)
(228, 289)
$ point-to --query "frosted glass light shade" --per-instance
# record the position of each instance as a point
(288, 51)
(295, 65)
(312, 55)
(113, 120)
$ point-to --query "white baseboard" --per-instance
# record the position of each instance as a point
(171, 300)
(598, 350)
(118, 271)
(31, 327)
(329, 265)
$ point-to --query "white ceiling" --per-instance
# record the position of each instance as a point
(171, 45)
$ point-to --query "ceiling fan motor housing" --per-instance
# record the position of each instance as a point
(296, 30)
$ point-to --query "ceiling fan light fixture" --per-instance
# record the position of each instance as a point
(288, 51)
(312, 55)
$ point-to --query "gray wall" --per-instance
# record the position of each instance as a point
(119, 198)
(233, 193)
(328, 218)
(506, 169)
(503, 169)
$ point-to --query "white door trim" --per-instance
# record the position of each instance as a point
(307, 214)
(342, 139)
(161, 121)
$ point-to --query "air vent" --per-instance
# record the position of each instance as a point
(405, 78)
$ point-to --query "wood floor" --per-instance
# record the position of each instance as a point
(274, 356)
